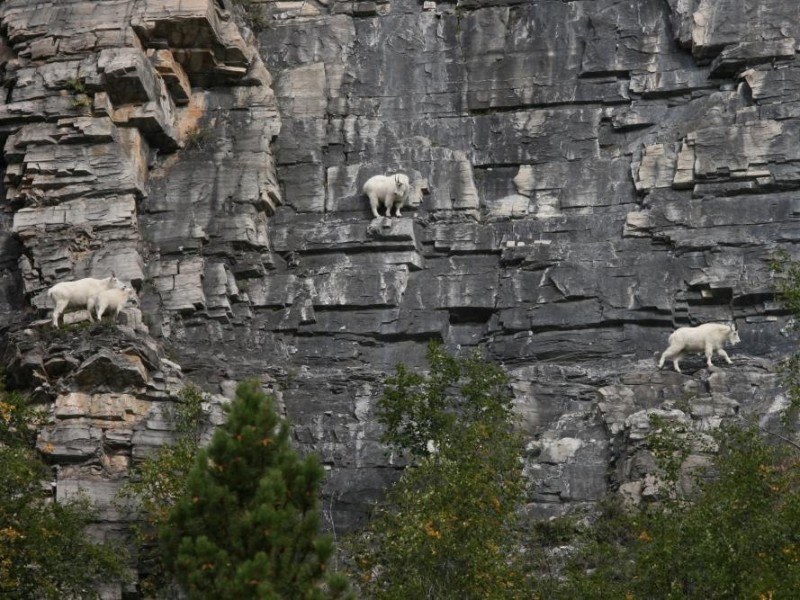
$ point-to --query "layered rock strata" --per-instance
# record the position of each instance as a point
(592, 174)
(101, 98)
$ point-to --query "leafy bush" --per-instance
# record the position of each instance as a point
(449, 527)
(159, 480)
(44, 549)
(787, 286)
(197, 138)
(739, 539)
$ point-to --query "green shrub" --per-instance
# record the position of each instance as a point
(197, 138)
(44, 550)
(449, 528)
(740, 538)
(156, 483)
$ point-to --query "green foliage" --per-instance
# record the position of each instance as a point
(159, 480)
(254, 14)
(247, 525)
(790, 377)
(458, 392)
(80, 96)
(44, 550)
(197, 138)
(449, 527)
(76, 86)
(739, 539)
(188, 415)
(787, 285)
(670, 443)
(19, 420)
(787, 280)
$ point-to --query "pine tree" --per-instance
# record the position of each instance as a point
(248, 524)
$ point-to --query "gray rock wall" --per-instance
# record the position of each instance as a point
(591, 175)
(594, 174)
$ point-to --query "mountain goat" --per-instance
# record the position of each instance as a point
(114, 299)
(391, 190)
(703, 338)
(78, 293)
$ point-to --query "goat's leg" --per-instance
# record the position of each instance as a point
(398, 204)
(709, 354)
(61, 306)
(101, 308)
(373, 204)
(666, 355)
(724, 355)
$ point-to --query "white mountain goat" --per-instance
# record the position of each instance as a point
(78, 293)
(113, 299)
(390, 190)
(703, 338)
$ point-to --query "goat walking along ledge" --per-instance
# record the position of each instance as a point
(706, 338)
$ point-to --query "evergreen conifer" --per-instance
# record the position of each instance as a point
(248, 526)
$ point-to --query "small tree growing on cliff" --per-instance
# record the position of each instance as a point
(158, 481)
(45, 552)
(247, 526)
(448, 528)
(787, 286)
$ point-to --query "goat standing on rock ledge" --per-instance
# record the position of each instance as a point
(703, 338)
(114, 299)
(78, 293)
(391, 190)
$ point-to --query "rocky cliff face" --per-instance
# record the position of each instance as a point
(592, 173)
